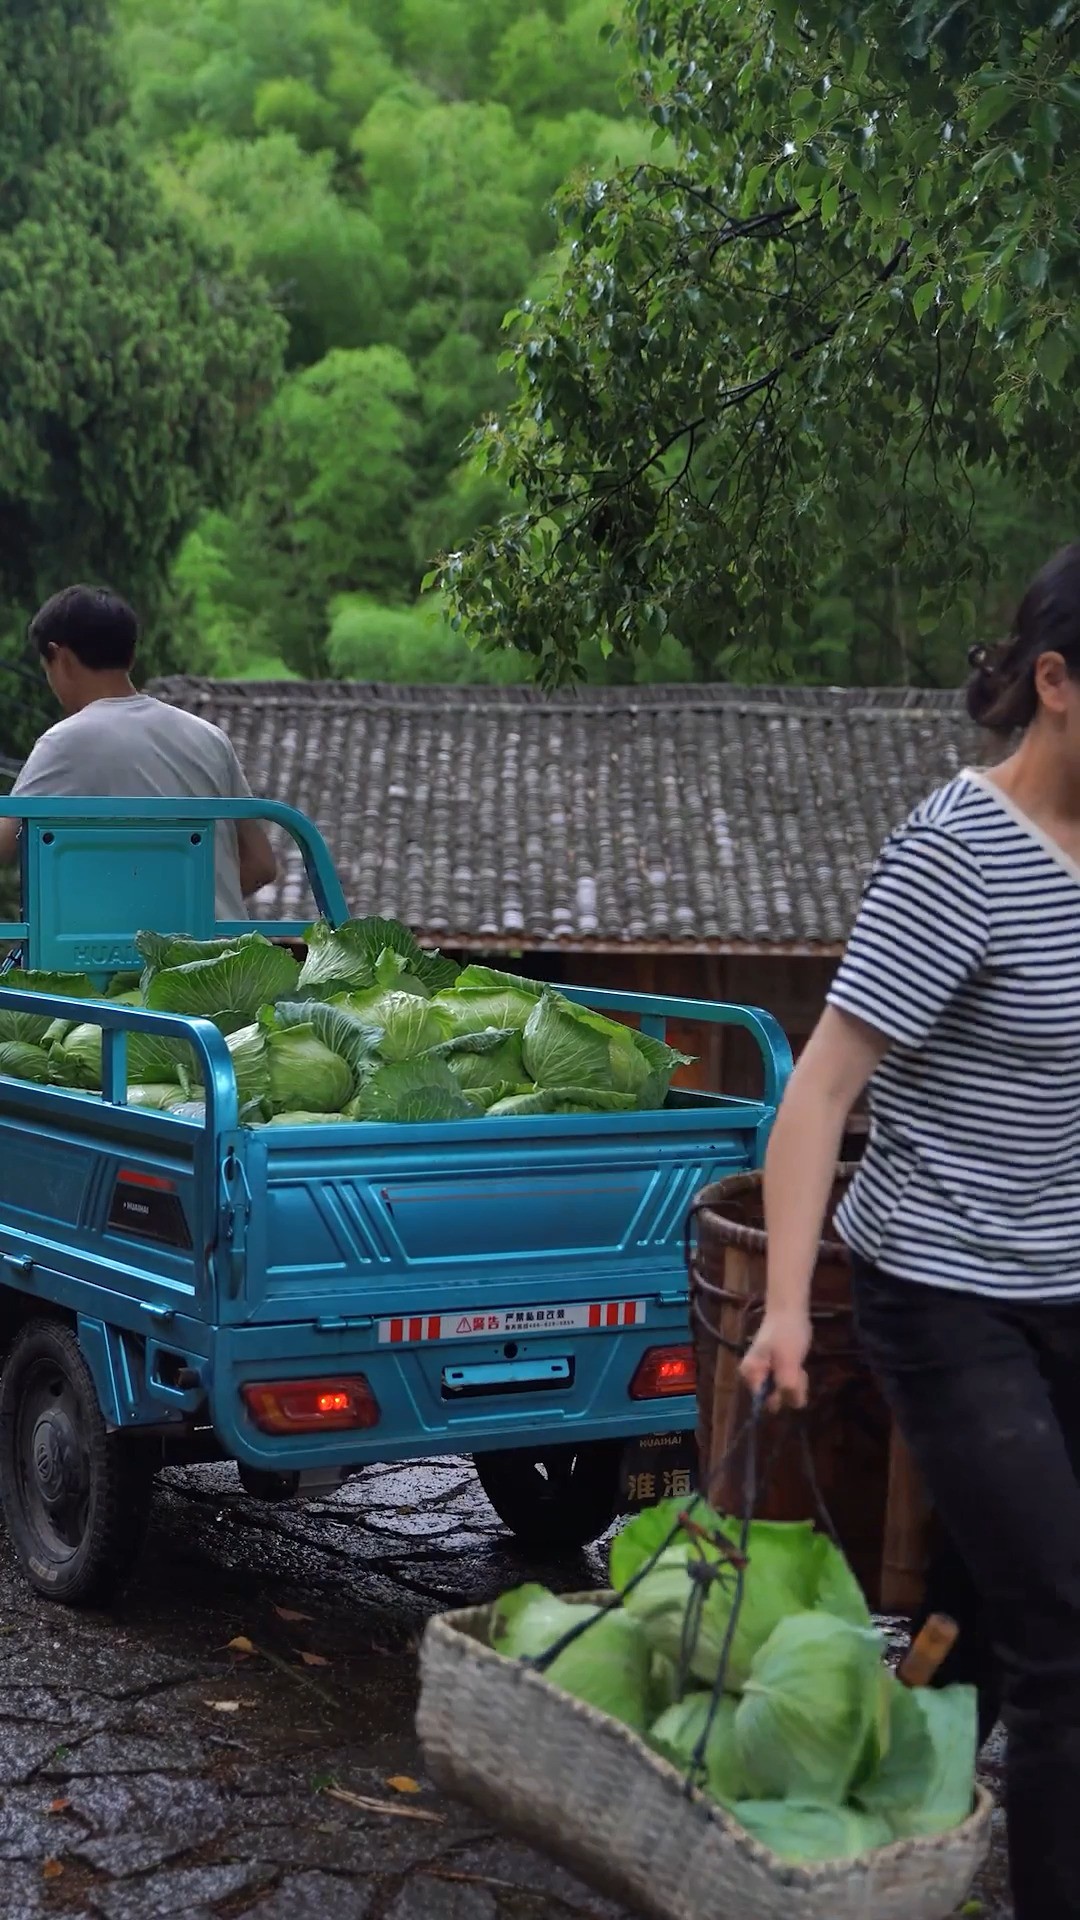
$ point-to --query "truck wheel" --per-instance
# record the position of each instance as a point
(554, 1498)
(76, 1498)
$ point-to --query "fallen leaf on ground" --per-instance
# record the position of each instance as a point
(311, 1659)
(401, 1783)
(367, 1805)
(293, 1618)
(51, 1870)
(242, 1645)
(223, 1706)
(59, 1806)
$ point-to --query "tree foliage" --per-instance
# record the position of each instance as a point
(806, 348)
(387, 167)
(135, 362)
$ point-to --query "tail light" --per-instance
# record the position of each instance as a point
(311, 1406)
(663, 1372)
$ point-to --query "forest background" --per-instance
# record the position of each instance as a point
(253, 284)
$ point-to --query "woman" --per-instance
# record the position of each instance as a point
(959, 1001)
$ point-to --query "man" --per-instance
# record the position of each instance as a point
(116, 742)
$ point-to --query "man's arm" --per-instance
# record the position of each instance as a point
(258, 861)
(9, 840)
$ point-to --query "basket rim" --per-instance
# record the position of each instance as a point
(755, 1240)
(806, 1877)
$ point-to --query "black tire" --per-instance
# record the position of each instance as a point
(555, 1499)
(76, 1498)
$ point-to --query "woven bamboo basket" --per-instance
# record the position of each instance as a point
(586, 1790)
(864, 1474)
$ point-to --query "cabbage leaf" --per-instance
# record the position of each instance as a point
(925, 1781)
(21, 1060)
(32, 1028)
(677, 1735)
(347, 1033)
(228, 988)
(608, 1665)
(304, 1075)
(412, 1090)
(802, 1831)
(251, 1064)
(408, 1024)
(808, 1707)
(347, 958)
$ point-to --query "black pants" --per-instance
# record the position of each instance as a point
(987, 1395)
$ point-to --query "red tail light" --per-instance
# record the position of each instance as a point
(311, 1406)
(664, 1371)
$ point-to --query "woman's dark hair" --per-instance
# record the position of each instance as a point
(94, 624)
(1001, 694)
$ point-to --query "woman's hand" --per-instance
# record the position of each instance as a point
(779, 1354)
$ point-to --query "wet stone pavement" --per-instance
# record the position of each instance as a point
(148, 1769)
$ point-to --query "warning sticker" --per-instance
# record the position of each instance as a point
(515, 1321)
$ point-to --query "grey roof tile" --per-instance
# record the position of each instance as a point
(710, 816)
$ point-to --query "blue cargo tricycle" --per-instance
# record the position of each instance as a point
(308, 1301)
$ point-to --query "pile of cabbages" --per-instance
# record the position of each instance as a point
(371, 1027)
(787, 1714)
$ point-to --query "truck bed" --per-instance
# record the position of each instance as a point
(474, 1272)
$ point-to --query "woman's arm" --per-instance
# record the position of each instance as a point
(800, 1167)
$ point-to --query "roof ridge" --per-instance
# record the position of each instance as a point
(706, 696)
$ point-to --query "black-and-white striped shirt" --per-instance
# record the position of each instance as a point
(966, 954)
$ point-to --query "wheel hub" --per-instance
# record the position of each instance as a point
(58, 1462)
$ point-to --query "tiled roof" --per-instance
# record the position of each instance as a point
(711, 817)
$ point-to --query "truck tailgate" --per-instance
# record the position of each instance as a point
(378, 1222)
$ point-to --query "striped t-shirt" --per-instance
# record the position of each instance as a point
(966, 955)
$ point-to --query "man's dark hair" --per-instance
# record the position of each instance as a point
(95, 625)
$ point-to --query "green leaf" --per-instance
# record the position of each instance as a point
(993, 105)
(230, 988)
(923, 298)
(411, 1091)
(347, 957)
(346, 1032)
(1053, 357)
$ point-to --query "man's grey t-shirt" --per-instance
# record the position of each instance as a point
(135, 746)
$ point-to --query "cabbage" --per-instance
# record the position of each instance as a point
(32, 1028)
(677, 1735)
(607, 1666)
(528, 1620)
(20, 1060)
(123, 984)
(563, 1049)
(352, 957)
(76, 1060)
(304, 1075)
(189, 1110)
(490, 1058)
(228, 988)
(349, 1034)
(160, 1098)
(166, 950)
(801, 1830)
(792, 1569)
(407, 1024)
(808, 1707)
(570, 1046)
(925, 1781)
(251, 1064)
(412, 1090)
(483, 998)
(307, 1120)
